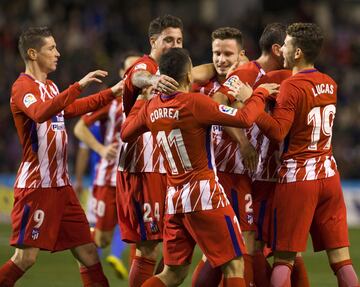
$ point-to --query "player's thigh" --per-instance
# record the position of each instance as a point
(238, 189)
(292, 214)
(209, 227)
(329, 229)
(36, 217)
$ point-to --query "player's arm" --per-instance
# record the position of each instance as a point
(277, 126)
(247, 150)
(82, 159)
(95, 101)
(207, 112)
(203, 73)
(83, 133)
(143, 79)
(135, 123)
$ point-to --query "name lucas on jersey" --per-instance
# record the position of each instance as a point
(323, 89)
(161, 113)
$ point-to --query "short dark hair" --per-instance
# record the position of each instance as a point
(161, 23)
(273, 33)
(308, 37)
(225, 33)
(33, 37)
(175, 63)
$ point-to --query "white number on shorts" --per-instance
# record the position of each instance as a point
(174, 139)
(248, 205)
(321, 121)
(147, 211)
(39, 216)
(100, 208)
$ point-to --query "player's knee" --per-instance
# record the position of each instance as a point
(338, 254)
(174, 275)
(102, 239)
(24, 258)
(234, 268)
(148, 249)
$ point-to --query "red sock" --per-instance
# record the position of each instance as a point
(262, 270)
(205, 275)
(160, 266)
(299, 277)
(9, 274)
(248, 270)
(132, 253)
(234, 281)
(141, 270)
(93, 276)
(281, 274)
(153, 282)
(345, 273)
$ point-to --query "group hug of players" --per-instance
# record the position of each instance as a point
(234, 156)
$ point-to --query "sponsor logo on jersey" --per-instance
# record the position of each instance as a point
(141, 66)
(57, 122)
(29, 99)
(227, 110)
(231, 81)
(35, 233)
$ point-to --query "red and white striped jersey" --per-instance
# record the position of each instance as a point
(112, 118)
(304, 116)
(39, 111)
(227, 151)
(209, 88)
(269, 150)
(181, 123)
(142, 154)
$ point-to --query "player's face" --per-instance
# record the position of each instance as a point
(225, 53)
(288, 52)
(47, 57)
(167, 39)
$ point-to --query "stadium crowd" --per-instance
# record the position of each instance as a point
(97, 34)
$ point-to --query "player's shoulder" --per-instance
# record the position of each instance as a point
(144, 63)
(24, 84)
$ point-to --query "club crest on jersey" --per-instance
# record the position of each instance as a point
(154, 227)
(227, 110)
(29, 99)
(35, 233)
(230, 82)
(141, 66)
(250, 218)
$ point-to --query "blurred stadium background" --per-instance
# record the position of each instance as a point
(96, 34)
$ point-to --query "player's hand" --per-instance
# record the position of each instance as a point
(164, 84)
(271, 88)
(110, 152)
(118, 89)
(146, 93)
(94, 76)
(240, 91)
(250, 157)
(239, 62)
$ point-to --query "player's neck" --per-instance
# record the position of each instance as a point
(35, 72)
(301, 66)
(268, 63)
(184, 88)
(220, 78)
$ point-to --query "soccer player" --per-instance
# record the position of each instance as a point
(141, 178)
(308, 195)
(234, 155)
(197, 209)
(47, 214)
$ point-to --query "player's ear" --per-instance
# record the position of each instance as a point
(152, 41)
(276, 49)
(31, 52)
(298, 53)
(189, 77)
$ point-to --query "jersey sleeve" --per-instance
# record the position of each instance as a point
(29, 101)
(89, 103)
(227, 116)
(100, 114)
(245, 76)
(277, 126)
(135, 123)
